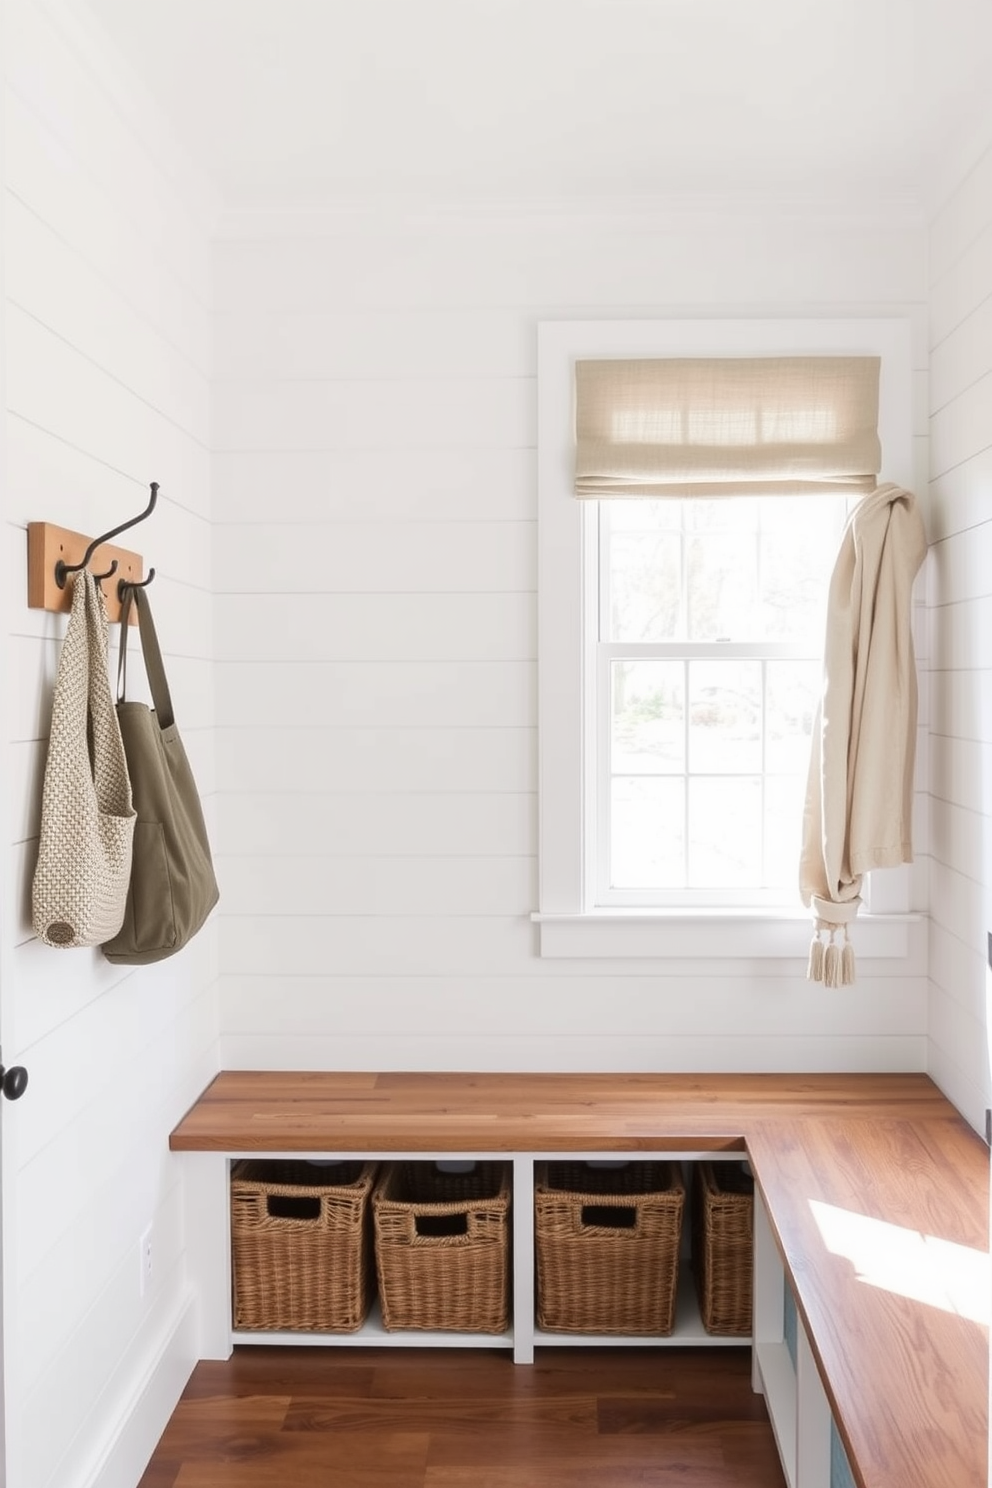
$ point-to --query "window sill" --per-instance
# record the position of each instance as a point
(712, 934)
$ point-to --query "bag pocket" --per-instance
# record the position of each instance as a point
(151, 907)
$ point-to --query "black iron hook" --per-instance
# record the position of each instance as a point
(123, 584)
(63, 569)
(99, 578)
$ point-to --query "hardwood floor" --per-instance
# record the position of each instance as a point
(435, 1418)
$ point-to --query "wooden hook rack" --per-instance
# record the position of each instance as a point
(48, 544)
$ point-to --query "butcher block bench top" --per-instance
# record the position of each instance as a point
(876, 1188)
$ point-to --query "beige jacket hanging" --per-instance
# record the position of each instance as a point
(859, 795)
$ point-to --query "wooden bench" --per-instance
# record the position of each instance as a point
(872, 1201)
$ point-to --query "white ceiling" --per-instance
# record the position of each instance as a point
(558, 100)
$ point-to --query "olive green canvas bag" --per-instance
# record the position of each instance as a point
(172, 887)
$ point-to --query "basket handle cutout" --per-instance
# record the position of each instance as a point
(289, 1206)
(610, 1216)
(435, 1225)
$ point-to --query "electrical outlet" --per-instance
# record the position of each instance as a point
(146, 1260)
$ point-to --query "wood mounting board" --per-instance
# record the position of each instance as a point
(48, 544)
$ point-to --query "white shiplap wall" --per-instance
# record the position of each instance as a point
(961, 640)
(375, 552)
(107, 339)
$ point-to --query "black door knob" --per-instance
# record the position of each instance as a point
(13, 1082)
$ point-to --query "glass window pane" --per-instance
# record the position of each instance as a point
(793, 592)
(725, 832)
(784, 799)
(643, 516)
(817, 519)
(738, 569)
(724, 716)
(721, 586)
(645, 585)
(648, 712)
(729, 514)
(647, 837)
(792, 692)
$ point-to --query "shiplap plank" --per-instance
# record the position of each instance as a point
(426, 343)
(460, 558)
(956, 766)
(44, 174)
(962, 635)
(957, 974)
(475, 413)
(50, 987)
(961, 219)
(962, 1036)
(50, 481)
(89, 1357)
(720, 1052)
(956, 837)
(34, 663)
(354, 884)
(21, 860)
(963, 428)
(50, 282)
(376, 485)
(376, 694)
(116, 1020)
(963, 357)
(579, 261)
(957, 904)
(962, 703)
(959, 499)
(455, 946)
(381, 823)
(545, 1006)
(372, 627)
(26, 770)
(50, 69)
(954, 297)
(969, 1095)
(32, 667)
(55, 387)
(497, 760)
(52, 1296)
(961, 565)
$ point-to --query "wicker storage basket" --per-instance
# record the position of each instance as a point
(301, 1245)
(723, 1246)
(442, 1247)
(607, 1247)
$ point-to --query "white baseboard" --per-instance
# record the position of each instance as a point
(144, 1412)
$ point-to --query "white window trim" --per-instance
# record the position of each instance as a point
(568, 923)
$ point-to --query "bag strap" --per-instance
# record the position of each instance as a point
(151, 653)
(109, 765)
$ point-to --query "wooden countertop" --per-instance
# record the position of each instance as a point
(876, 1188)
(307, 1111)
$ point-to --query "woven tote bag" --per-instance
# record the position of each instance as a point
(87, 819)
(173, 887)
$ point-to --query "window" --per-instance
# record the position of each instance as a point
(706, 674)
(679, 662)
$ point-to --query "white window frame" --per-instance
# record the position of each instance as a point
(570, 924)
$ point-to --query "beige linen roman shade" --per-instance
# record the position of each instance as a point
(696, 426)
